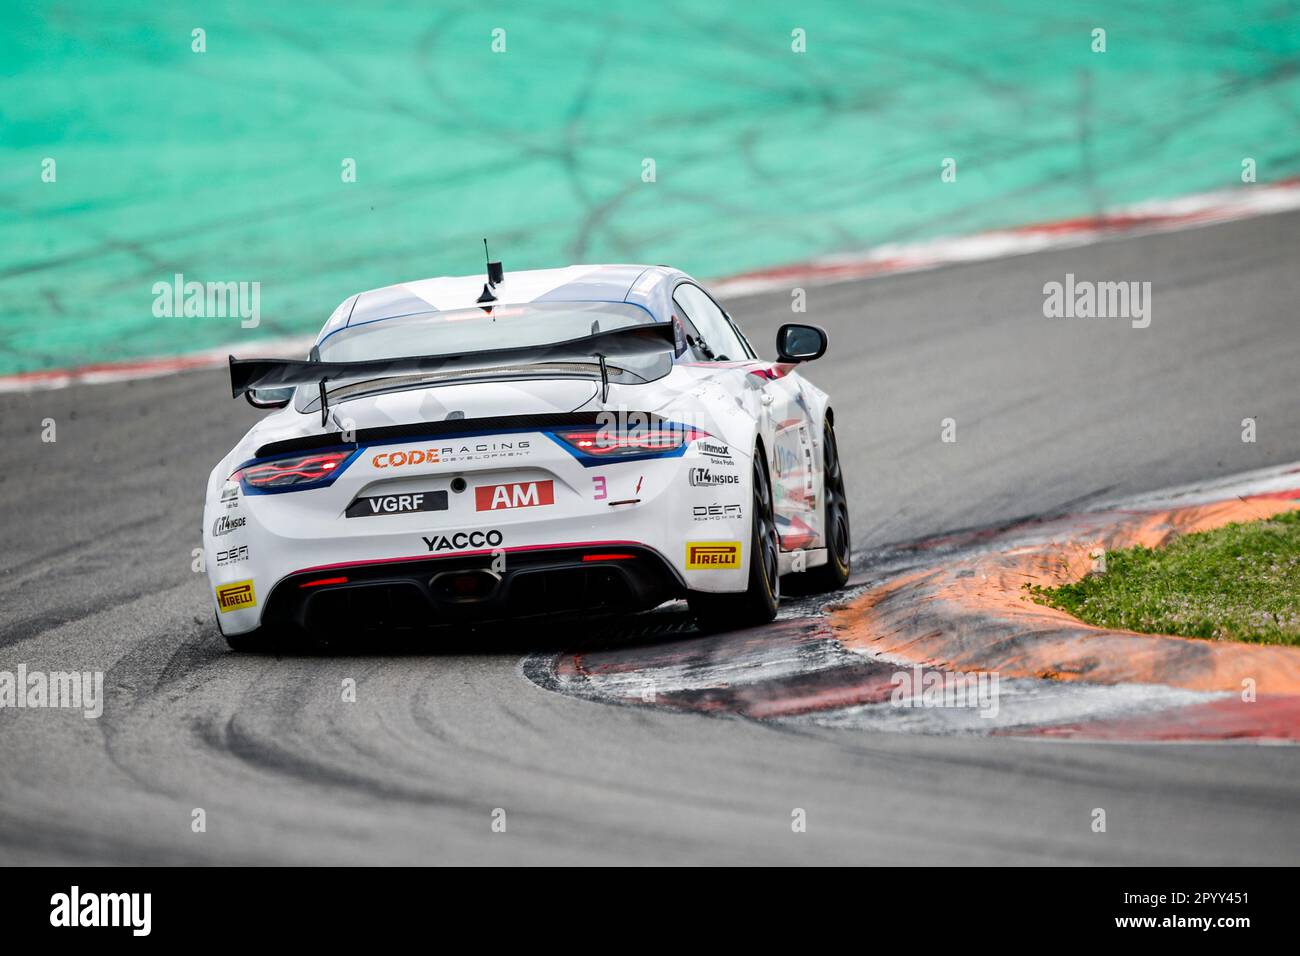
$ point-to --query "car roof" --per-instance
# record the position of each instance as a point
(645, 286)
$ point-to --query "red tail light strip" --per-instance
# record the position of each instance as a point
(607, 442)
(291, 473)
(594, 445)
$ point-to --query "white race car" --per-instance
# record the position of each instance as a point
(581, 440)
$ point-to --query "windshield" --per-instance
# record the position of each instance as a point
(478, 329)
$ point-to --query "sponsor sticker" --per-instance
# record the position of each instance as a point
(707, 477)
(463, 539)
(809, 466)
(226, 524)
(712, 555)
(232, 555)
(795, 460)
(718, 453)
(401, 504)
(522, 494)
(400, 459)
(230, 495)
(715, 512)
(455, 452)
(238, 594)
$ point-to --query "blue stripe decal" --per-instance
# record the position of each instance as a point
(587, 461)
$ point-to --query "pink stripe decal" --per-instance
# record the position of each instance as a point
(468, 554)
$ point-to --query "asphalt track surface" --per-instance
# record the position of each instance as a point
(96, 574)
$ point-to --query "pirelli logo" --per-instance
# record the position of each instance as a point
(231, 597)
(711, 555)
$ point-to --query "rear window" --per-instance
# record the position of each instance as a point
(478, 329)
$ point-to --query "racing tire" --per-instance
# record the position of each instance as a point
(832, 575)
(757, 604)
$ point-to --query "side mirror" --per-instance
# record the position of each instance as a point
(269, 397)
(800, 343)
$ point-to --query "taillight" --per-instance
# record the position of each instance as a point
(666, 439)
(297, 473)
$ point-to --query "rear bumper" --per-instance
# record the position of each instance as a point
(257, 546)
(426, 594)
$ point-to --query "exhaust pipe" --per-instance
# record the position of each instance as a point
(466, 586)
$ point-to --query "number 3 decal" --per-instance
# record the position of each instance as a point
(600, 492)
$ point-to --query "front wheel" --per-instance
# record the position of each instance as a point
(757, 604)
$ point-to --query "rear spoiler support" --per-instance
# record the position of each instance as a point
(324, 404)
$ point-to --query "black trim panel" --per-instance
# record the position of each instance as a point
(546, 582)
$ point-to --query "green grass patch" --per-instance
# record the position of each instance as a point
(1240, 582)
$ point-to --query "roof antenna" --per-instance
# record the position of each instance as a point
(495, 275)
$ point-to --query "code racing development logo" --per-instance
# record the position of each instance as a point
(450, 454)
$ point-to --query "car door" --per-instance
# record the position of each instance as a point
(785, 420)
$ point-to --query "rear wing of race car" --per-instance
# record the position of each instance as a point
(246, 375)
